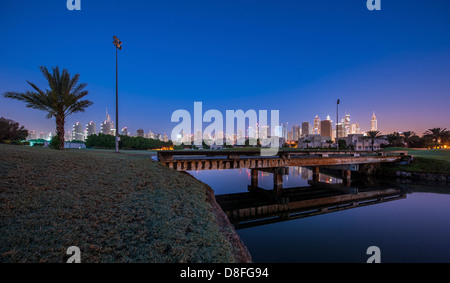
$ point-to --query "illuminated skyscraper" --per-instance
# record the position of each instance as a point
(78, 132)
(305, 128)
(296, 132)
(316, 129)
(347, 126)
(107, 127)
(326, 128)
(373, 123)
(91, 129)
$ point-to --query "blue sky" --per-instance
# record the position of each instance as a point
(297, 57)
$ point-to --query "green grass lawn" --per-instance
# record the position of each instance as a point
(114, 207)
(425, 161)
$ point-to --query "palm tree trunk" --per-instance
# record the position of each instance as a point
(60, 121)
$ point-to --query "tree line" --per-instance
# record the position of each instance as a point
(126, 142)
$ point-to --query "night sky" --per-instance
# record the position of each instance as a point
(297, 57)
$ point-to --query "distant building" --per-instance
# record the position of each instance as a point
(316, 128)
(107, 127)
(32, 135)
(361, 142)
(78, 132)
(140, 133)
(326, 128)
(124, 131)
(355, 129)
(308, 141)
(91, 129)
(305, 128)
(347, 125)
(296, 132)
(284, 133)
(373, 123)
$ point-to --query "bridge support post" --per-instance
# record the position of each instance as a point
(316, 174)
(277, 184)
(254, 178)
(347, 177)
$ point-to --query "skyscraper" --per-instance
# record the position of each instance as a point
(305, 128)
(316, 129)
(326, 128)
(296, 132)
(107, 127)
(91, 129)
(78, 132)
(347, 126)
(373, 123)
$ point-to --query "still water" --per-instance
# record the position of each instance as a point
(412, 228)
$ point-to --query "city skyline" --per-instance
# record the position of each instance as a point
(298, 62)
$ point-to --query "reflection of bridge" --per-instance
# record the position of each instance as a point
(186, 160)
(258, 208)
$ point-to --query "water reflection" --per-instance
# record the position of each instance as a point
(409, 222)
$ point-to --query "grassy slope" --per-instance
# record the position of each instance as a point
(425, 161)
(115, 208)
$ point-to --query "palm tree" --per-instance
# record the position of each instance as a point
(373, 135)
(62, 99)
(407, 137)
(307, 142)
(437, 134)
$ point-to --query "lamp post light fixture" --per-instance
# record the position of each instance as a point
(118, 45)
(337, 124)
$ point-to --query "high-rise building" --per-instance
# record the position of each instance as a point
(341, 129)
(140, 133)
(32, 135)
(78, 132)
(355, 129)
(124, 131)
(347, 126)
(91, 129)
(296, 132)
(284, 133)
(305, 128)
(107, 127)
(316, 128)
(373, 123)
(326, 128)
(68, 136)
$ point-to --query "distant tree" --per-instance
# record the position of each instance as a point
(11, 130)
(307, 143)
(408, 137)
(395, 139)
(329, 142)
(373, 135)
(438, 134)
(62, 99)
(342, 144)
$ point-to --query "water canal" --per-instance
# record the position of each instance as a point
(410, 225)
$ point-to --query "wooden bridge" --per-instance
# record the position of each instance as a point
(249, 209)
(346, 161)
(187, 160)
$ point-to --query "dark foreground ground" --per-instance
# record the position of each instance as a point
(115, 208)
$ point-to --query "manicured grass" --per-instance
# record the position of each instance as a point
(425, 161)
(436, 154)
(115, 208)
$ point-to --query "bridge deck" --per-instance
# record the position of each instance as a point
(212, 160)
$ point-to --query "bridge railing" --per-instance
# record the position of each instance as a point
(168, 155)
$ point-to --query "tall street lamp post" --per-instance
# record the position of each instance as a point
(337, 124)
(118, 45)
